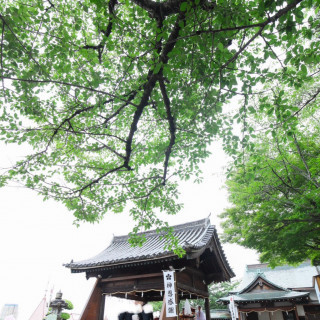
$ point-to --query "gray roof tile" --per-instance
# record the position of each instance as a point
(192, 236)
(292, 277)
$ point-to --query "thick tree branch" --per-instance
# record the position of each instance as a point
(172, 128)
(149, 86)
(159, 9)
(111, 6)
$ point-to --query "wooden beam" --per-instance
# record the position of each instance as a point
(128, 296)
(137, 276)
(192, 290)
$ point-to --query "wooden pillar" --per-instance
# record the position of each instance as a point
(177, 295)
(207, 307)
(163, 309)
(102, 304)
(163, 314)
(92, 309)
(296, 312)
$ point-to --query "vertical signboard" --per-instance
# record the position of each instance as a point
(170, 293)
(233, 309)
(317, 286)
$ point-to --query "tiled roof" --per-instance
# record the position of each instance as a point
(273, 295)
(220, 314)
(285, 276)
(261, 276)
(194, 236)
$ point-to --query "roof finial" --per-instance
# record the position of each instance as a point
(207, 219)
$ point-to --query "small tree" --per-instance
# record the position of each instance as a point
(275, 181)
(65, 315)
(219, 290)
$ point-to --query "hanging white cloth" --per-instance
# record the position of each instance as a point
(187, 308)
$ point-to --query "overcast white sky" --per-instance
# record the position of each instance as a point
(37, 237)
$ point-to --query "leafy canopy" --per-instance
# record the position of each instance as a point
(274, 188)
(120, 99)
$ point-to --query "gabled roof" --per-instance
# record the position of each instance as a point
(261, 283)
(261, 278)
(289, 277)
(269, 291)
(195, 237)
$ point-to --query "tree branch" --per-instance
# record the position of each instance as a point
(149, 86)
(172, 128)
(159, 9)
(70, 85)
(304, 162)
(91, 183)
(268, 44)
(1, 54)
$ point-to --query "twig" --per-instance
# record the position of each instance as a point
(70, 85)
(268, 44)
(1, 53)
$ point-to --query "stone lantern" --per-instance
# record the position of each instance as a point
(58, 305)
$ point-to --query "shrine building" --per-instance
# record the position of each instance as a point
(136, 272)
(282, 293)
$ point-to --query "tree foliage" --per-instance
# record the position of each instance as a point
(120, 99)
(65, 315)
(219, 290)
(274, 188)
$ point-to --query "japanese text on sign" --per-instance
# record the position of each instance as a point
(169, 289)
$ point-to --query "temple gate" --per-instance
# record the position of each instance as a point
(136, 272)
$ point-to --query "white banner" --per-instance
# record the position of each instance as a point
(233, 309)
(170, 293)
(316, 286)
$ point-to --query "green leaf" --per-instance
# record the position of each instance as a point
(304, 69)
(184, 6)
(220, 46)
(157, 68)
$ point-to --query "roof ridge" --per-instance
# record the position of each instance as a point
(199, 223)
(262, 276)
